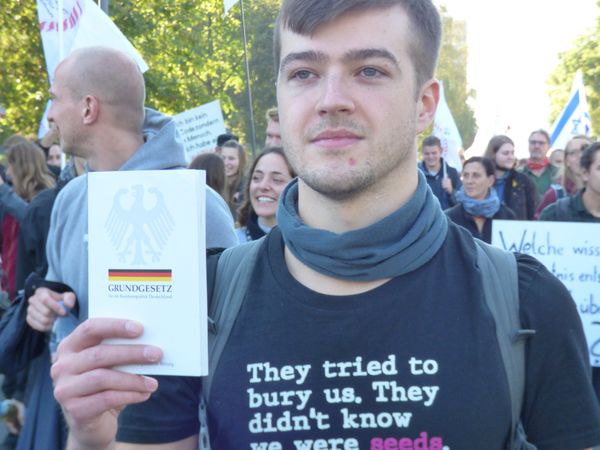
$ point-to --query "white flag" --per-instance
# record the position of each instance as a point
(445, 129)
(84, 24)
(228, 4)
(575, 117)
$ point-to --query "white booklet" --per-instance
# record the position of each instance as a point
(147, 262)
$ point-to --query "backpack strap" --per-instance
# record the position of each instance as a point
(501, 291)
(559, 191)
(563, 209)
(229, 284)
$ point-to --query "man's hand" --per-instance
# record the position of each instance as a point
(447, 185)
(91, 393)
(44, 307)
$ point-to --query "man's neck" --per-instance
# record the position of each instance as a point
(115, 151)
(591, 202)
(318, 211)
(435, 168)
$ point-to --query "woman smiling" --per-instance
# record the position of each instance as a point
(269, 175)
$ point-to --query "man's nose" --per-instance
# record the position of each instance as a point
(336, 96)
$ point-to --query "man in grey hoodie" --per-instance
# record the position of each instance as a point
(98, 107)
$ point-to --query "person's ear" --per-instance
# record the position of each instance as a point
(91, 109)
(429, 97)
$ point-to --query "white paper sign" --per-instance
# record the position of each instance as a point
(200, 127)
(147, 261)
(571, 251)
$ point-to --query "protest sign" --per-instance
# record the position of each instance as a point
(199, 128)
(571, 251)
(147, 262)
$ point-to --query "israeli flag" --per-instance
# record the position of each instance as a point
(575, 117)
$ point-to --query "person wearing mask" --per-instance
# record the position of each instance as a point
(514, 189)
(269, 175)
(478, 202)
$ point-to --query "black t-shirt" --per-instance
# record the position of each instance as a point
(413, 363)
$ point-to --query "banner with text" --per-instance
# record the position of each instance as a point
(199, 128)
(571, 251)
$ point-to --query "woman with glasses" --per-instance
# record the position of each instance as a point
(571, 180)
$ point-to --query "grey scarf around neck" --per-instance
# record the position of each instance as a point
(400, 243)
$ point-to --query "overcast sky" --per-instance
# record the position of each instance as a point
(513, 47)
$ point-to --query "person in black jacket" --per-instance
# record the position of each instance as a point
(441, 178)
(478, 201)
(515, 189)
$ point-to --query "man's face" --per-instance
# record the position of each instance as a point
(64, 111)
(347, 102)
(431, 156)
(273, 134)
(538, 146)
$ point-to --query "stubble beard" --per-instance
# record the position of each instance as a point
(342, 185)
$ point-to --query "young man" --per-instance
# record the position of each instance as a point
(273, 134)
(441, 178)
(364, 325)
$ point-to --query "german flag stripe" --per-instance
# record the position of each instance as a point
(139, 275)
(115, 278)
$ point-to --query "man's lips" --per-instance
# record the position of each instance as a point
(334, 139)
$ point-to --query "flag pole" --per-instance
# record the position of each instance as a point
(61, 44)
(248, 89)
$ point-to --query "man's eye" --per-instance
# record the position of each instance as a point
(302, 74)
(370, 72)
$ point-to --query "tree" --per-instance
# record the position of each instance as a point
(452, 70)
(584, 55)
(22, 69)
(194, 51)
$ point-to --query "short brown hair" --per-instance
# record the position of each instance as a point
(306, 16)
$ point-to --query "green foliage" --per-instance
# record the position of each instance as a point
(584, 55)
(23, 77)
(194, 51)
(452, 70)
(196, 55)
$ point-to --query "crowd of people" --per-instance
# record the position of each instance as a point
(493, 188)
(365, 320)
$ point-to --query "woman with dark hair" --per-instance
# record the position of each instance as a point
(514, 189)
(269, 175)
(29, 174)
(478, 203)
(214, 167)
(234, 157)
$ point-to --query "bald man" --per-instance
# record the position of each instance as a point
(98, 108)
